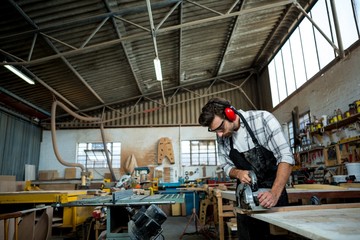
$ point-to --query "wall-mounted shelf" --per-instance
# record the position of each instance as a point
(335, 154)
(332, 155)
(313, 157)
(344, 122)
(311, 150)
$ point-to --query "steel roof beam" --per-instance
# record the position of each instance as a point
(126, 50)
(96, 47)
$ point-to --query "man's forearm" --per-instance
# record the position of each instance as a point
(282, 176)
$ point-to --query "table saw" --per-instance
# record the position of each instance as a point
(123, 208)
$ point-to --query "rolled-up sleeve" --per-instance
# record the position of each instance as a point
(224, 160)
(277, 142)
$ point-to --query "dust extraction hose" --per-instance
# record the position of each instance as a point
(53, 136)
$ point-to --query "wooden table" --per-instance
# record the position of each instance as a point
(224, 211)
(306, 191)
(329, 221)
(297, 219)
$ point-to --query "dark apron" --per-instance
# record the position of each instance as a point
(258, 159)
(263, 163)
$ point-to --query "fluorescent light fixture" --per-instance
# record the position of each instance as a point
(20, 74)
(158, 69)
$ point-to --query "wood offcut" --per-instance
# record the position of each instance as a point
(165, 149)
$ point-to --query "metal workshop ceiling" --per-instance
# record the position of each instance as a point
(98, 54)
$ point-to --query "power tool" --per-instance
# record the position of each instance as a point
(247, 194)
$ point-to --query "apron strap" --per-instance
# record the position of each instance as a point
(254, 139)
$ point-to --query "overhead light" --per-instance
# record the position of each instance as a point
(20, 74)
(158, 69)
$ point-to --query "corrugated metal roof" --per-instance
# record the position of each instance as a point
(96, 53)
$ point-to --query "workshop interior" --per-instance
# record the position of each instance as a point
(99, 108)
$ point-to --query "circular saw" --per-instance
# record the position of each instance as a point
(247, 194)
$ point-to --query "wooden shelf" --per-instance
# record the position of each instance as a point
(333, 158)
(311, 150)
(343, 122)
(332, 154)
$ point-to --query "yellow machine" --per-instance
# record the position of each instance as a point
(69, 217)
(155, 184)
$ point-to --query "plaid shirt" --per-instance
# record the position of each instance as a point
(268, 132)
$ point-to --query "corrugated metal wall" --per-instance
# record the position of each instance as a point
(181, 109)
(19, 145)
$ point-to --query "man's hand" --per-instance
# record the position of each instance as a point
(242, 175)
(267, 199)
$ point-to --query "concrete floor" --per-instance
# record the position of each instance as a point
(184, 228)
(174, 227)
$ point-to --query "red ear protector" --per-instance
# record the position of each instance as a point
(229, 111)
(230, 114)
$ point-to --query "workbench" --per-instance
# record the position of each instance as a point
(317, 222)
(321, 191)
(69, 217)
(306, 191)
(286, 219)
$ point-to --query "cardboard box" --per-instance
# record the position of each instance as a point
(70, 173)
(7, 183)
(48, 174)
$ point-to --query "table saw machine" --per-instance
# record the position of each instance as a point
(130, 216)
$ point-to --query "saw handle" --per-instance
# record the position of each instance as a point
(254, 184)
(256, 200)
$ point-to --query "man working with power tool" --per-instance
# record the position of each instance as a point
(251, 142)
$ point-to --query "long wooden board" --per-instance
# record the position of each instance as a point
(337, 223)
(306, 192)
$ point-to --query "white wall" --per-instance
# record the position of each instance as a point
(142, 142)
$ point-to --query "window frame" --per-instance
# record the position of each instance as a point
(294, 66)
(304, 120)
(114, 149)
(196, 153)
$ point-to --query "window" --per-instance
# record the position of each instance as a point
(307, 51)
(198, 152)
(304, 120)
(93, 155)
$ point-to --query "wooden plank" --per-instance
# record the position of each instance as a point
(300, 208)
(309, 191)
(350, 185)
(318, 224)
(316, 187)
(307, 194)
(27, 226)
(165, 149)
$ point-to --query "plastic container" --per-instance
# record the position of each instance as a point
(339, 178)
(353, 168)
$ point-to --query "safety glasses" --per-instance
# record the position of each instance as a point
(219, 128)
